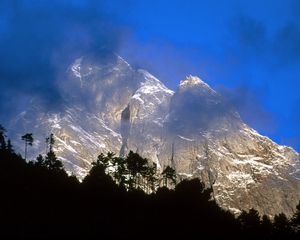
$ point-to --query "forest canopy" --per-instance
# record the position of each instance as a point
(126, 198)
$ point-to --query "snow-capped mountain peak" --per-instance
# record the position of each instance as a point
(190, 81)
(193, 81)
(110, 106)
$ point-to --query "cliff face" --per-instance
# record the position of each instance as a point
(113, 107)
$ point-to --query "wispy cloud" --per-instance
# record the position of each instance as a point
(38, 39)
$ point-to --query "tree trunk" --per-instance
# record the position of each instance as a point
(25, 150)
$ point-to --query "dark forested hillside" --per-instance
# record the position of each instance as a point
(120, 198)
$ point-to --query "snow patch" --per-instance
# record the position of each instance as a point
(240, 179)
(192, 81)
(185, 138)
(76, 67)
(185, 175)
(68, 147)
(137, 96)
(54, 121)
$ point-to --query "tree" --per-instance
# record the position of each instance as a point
(40, 161)
(2, 137)
(296, 217)
(9, 146)
(250, 222)
(50, 142)
(120, 172)
(104, 161)
(282, 227)
(169, 174)
(97, 177)
(136, 166)
(151, 177)
(266, 227)
(28, 139)
(52, 163)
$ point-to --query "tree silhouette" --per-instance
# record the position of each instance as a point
(120, 172)
(50, 143)
(250, 222)
(9, 146)
(40, 161)
(52, 163)
(111, 212)
(266, 227)
(28, 139)
(169, 174)
(296, 217)
(97, 177)
(105, 161)
(2, 137)
(296, 222)
(151, 177)
(136, 166)
(282, 227)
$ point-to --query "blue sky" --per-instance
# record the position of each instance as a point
(247, 50)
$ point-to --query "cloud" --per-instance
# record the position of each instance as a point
(195, 108)
(276, 47)
(167, 61)
(40, 38)
(249, 33)
(248, 103)
(286, 44)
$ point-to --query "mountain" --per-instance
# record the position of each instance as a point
(110, 106)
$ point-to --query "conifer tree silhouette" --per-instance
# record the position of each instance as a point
(282, 227)
(121, 171)
(169, 174)
(50, 143)
(136, 166)
(296, 217)
(2, 137)
(151, 177)
(51, 161)
(28, 139)
(9, 146)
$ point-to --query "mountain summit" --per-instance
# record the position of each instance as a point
(194, 81)
(110, 106)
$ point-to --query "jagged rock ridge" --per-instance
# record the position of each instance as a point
(112, 107)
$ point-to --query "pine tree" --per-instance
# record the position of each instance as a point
(40, 161)
(151, 177)
(50, 142)
(296, 217)
(266, 227)
(120, 172)
(2, 137)
(104, 161)
(282, 227)
(9, 146)
(169, 174)
(136, 166)
(51, 162)
(28, 139)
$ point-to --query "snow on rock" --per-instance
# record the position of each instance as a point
(185, 138)
(194, 81)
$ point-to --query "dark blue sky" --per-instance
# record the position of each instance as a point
(247, 50)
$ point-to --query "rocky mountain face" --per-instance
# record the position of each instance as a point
(113, 107)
